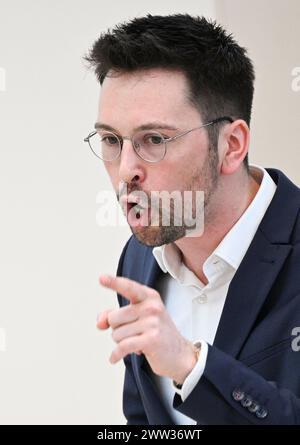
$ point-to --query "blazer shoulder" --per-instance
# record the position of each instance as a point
(280, 223)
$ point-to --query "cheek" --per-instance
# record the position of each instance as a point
(183, 167)
(194, 149)
(171, 178)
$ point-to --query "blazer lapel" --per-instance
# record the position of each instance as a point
(260, 266)
(248, 291)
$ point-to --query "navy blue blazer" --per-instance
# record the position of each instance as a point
(252, 375)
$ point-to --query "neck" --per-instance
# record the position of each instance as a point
(229, 206)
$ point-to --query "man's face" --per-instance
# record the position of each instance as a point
(130, 100)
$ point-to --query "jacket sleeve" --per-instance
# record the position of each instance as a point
(132, 404)
(133, 408)
(239, 395)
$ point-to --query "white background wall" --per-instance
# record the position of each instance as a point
(54, 364)
(55, 367)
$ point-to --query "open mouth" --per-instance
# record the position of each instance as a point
(136, 208)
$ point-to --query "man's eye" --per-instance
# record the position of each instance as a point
(109, 140)
(153, 139)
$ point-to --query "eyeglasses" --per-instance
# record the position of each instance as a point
(151, 146)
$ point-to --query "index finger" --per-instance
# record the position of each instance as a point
(130, 289)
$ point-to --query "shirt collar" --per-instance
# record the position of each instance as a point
(234, 245)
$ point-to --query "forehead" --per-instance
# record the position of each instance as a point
(155, 93)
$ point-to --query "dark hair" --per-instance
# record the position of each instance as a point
(219, 73)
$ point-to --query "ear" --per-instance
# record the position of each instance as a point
(233, 146)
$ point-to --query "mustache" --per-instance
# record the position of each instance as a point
(127, 190)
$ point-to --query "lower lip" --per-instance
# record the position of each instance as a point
(142, 221)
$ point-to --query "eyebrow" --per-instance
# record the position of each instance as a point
(147, 126)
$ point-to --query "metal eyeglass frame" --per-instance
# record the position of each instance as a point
(173, 138)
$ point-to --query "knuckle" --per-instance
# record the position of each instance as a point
(151, 309)
(161, 306)
(157, 307)
(152, 292)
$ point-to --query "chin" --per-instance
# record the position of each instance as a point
(157, 236)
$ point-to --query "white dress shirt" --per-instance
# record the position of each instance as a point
(196, 308)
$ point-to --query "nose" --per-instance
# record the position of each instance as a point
(131, 167)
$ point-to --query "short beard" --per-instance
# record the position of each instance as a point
(206, 180)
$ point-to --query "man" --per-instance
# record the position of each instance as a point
(207, 320)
